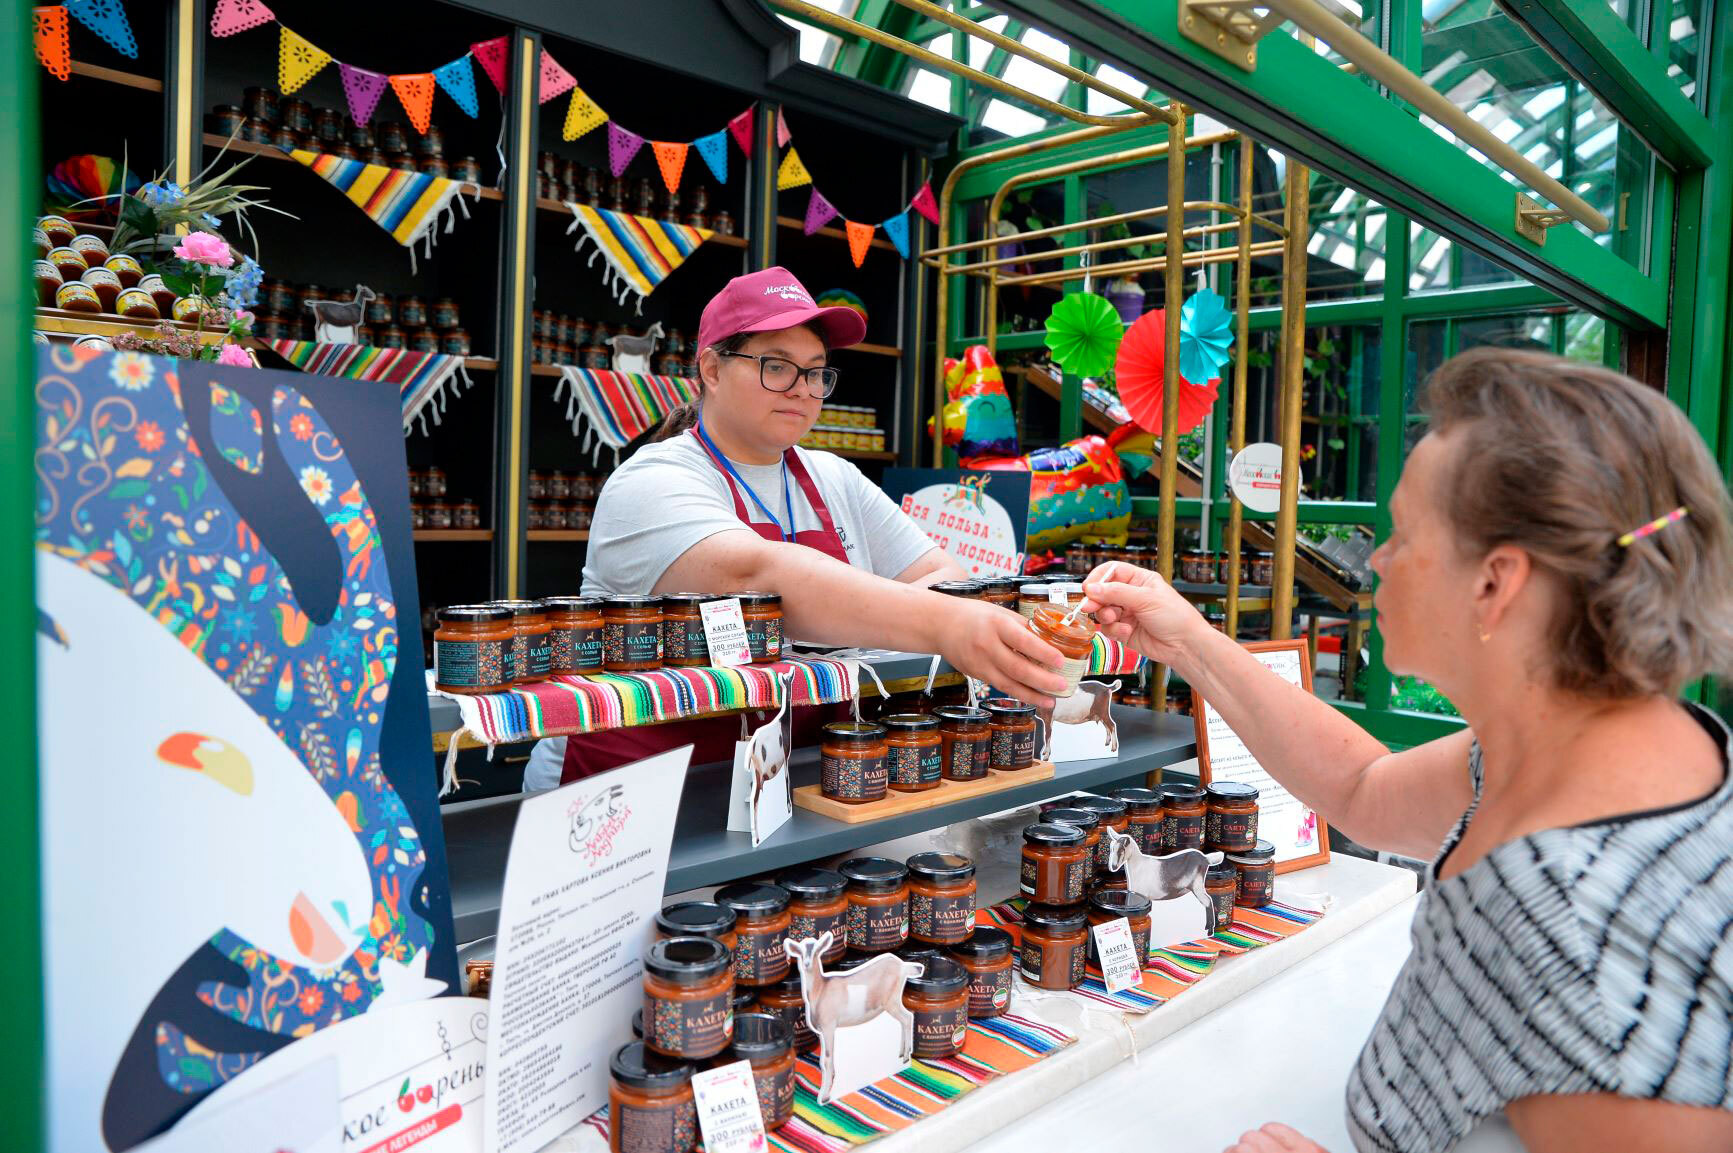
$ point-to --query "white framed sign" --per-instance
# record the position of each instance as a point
(1255, 476)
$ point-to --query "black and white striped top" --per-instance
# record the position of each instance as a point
(1593, 959)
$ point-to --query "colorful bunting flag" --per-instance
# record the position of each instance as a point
(232, 16)
(490, 54)
(458, 80)
(53, 51)
(298, 59)
(714, 149)
(415, 90)
(623, 144)
(924, 203)
(897, 228)
(783, 136)
(555, 79)
(860, 238)
(106, 18)
(819, 212)
(363, 88)
(792, 173)
(671, 159)
(741, 127)
(582, 115)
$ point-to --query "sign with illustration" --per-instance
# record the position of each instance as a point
(234, 741)
(761, 796)
(1255, 476)
(977, 516)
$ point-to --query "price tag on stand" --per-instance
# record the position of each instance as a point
(728, 1113)
(1114, 944)
(725, 632)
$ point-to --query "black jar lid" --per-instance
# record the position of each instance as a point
(789, 986)
(1222, 872)
(474, 614)
(1139, 801)
(1008, 707)
(963, 713)
(522, 608)
(1061, 836)
(999, 584)
(635, 1067)
(692, 600)
(942, 975)
(574, 604)
(761, 1036)
(941, 867)
(638, 1023)
(744, 998)
(1066, 918)
(752, 899)
(875, 874)
(985, 944)
(957, 588)
(1188, 794)
(688, 960)
(1237, 792)
(813, 884)
(1103, 807)
(695, 919)
(853, 732)
(910, 722)
(759, 600)
(1261, 853)
(1120, 902)
(633, 601)
(1077, 818)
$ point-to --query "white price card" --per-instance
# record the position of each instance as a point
(725, 633)
(728, 1114)
(1114, 944)
(1056, 595)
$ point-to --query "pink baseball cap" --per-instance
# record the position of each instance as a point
(769, 301)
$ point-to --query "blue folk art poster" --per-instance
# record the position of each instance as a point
(241, 838)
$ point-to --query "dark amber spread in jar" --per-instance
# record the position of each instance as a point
(762, 613)
(1183, 817)
(683, 643)
(878, 903)
(1011, 724)
(1143, 817)
(1222, 883)
(1257, 880)
(531, 654)
(697, 919)
(1090, 825)
(650, 1105)
(852, 762)
(1109, 904)
(817, 905)
(1055, 950)
(632, 634)
(1001, 591)
(1075, 641)
(688, 997)
(786, 1000)
(1113, 815)
(941, 897)
(986, 954)
(761, 923)
(469, 649)
(766, 1041)
(1231, 817)
(966, 742)
(939, 1002)
(1055, 863)
(574, 635)
(914, 752)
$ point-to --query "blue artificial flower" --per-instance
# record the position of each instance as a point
(211, 220)
(242, 289)
(157, 194)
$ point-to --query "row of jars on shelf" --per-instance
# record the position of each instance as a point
(562, 178)
(75, 271)
(437, 514)
(555, 515)
(557, 485)
(265, 117)
(1195, 566)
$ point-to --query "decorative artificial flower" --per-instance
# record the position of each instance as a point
(233, 354)
(205, 248)
(160, 193)
(244, 281)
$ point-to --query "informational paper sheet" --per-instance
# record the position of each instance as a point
(582, 884)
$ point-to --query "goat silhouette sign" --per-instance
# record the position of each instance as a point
(865, 1032)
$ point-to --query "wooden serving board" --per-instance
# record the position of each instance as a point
(895, 804)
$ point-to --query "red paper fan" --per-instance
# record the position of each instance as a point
(1139, 371)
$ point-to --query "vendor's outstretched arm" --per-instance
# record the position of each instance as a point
(829, 602)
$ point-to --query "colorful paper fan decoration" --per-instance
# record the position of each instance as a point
(1139, 372)
(843, 297)
(1205, 335)
(1083, 333)
(79, 178)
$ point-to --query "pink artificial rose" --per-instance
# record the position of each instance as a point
(205, 248)
(233, 354)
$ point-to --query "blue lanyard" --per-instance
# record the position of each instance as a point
(787, 498)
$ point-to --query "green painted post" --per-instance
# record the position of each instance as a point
(1392, 417)
(1071, 389)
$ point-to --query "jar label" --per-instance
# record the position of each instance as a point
(681, 641)
(655, 1129)
(758, 957)
(575, 650)
(1230, 830)
(1224, 907)
(853, 778)
(1181, 831)
(1060, 962)
(541, 652)
(764, 639)
(983, 757)
(517, 657)
(698, 1028)
(914, 766)
(632, 642)
(941, 920)
(1257, 884)
(1073, 669)
(468, 664)
(795, 1015)
(1013, 750)
(990, 993)
(876, 928)
(1148, 834)
(775, 1094)
(941, 1032)
(963, 759)
(1054, 884)
(811, 926)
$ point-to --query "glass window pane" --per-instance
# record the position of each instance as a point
(1683, 44)
(1011, 120)
(979, 49)
(932, 88)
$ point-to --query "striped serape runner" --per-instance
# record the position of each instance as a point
(1173, 970)
(619, 407)
(421, 378)
(993, 1048)
(1109, 658)
(640, 252)
(405, 204)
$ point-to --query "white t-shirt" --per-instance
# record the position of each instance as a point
(670, 496)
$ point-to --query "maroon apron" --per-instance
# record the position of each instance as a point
(712, 738)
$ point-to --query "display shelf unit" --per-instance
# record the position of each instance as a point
(434, 535)
(272, 152)
(558, 208)
(116, 76)
(478, 833)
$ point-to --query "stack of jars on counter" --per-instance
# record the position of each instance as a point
(560, 500)
(266, 117)
(430, 506)
(404, 322)
(1085, 557)
(1199, 566)
(564, 179)
(489, 648)
(913, 752)
(846, 428)
(560, 338)
(75, 272)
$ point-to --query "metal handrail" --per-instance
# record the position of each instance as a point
(1195, 259)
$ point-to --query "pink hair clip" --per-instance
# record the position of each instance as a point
(1653, 526)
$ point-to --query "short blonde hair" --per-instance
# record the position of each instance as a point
(1560, 459)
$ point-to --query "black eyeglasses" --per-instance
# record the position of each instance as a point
(778, 374)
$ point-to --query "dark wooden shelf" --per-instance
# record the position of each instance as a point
(875, 349)
(481, 363)
(559, 206)
(431, 535)
(800, 227)
(272, 152)
(547, 369)
(116, 76)
(559, 534)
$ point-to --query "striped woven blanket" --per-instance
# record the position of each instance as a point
(640, 252)
(420, 377)
(1109, 658)
(618, 407)
(1171, 971)
(405, 204)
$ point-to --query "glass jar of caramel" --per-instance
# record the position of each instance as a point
(878, 903)
(1075, 641)
(469, 649)
(938, 1000)
(1143, 816)
(1001, 591)
(966, 742)
(852, 762)
(767, 1043)
(631, 634)
(531, 654)
(1257, 875)
(1182, 817)
(786, 1000)
(1055, 952)
(761, 926)
(1056, 863)
(1230, 816)
(1113, 815)
(688, 997)
(986, 955)
(914, 753)
(683, 643)
(698, 919)
(1030, 597)
(1011, 725)
(1089, 824)
(1110, 904)
(941, 898)
(1222, 883)
(817, 905)
(763, 615)
(650, 1103)
(574, 635)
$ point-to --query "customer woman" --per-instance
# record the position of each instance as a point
(725, 502)
(1558, 566)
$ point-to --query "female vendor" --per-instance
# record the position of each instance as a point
(724, 502)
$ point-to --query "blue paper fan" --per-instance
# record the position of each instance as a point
(1205, 336)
